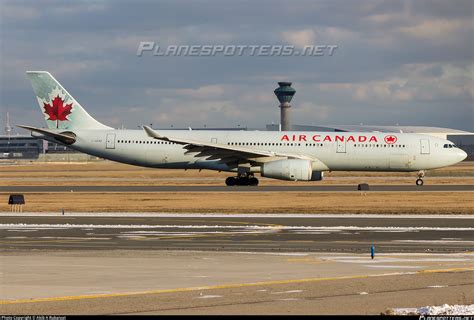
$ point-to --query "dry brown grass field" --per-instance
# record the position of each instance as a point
(109, 173)
(246, 202)
(106, 173)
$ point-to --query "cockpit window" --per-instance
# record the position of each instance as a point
(449, 145)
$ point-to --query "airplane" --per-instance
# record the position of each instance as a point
(283, 155)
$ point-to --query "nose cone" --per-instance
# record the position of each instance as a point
(461, 155)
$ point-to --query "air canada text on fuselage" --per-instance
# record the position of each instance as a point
(328, 138)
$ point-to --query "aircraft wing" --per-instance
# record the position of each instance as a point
(230, 155)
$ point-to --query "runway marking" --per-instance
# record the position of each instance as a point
(445, 270)
(227, 286)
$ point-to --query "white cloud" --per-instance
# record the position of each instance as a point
(299, 38)
(204, 92)
(309, 110)
(413, 83)
(77, 8)
(383, 18)
(436, 29)
(337, 35)
(211, 91)
(378, 68)
(18, 12)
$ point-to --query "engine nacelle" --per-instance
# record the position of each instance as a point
(291, 169)
(317, 176)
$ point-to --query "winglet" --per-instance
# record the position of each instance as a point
(149, 131)
(153, 134)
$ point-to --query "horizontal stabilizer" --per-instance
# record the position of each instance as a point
(66, 137)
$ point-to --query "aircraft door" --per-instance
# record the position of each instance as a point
(424, 146)
(110, 141)
(214, 140)
(341, 147)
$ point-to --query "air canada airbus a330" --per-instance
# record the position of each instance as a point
(289, 155)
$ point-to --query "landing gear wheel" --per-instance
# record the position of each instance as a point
(230, 181)
(253, 182)
(421, 174)
(243, 180)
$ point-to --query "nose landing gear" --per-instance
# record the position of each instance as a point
(242, 180)
(419, 181)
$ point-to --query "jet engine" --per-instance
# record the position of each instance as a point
(291, 169)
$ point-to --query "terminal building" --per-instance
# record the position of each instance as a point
(28, 147)
(20, 147)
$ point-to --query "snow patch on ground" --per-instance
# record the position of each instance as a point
(295, 254)
(392, 267)
(296, 229)
(74, 238)
(290, 291)
(445, 309)
(209, 296)
(240, 215)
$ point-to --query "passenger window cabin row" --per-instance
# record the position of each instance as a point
(144, 142)
(360, 145)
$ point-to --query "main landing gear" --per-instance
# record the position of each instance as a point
(419, 181)
(242, 180)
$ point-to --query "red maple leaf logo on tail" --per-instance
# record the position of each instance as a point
(58, 111)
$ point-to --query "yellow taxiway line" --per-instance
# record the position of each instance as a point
(226, 286)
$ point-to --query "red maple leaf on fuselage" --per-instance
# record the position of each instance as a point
(390, 139)
(58, 111)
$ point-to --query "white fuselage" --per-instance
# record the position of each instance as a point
(333, 151)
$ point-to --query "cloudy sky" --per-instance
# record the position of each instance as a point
(405, 62)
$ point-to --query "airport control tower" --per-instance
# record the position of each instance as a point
(284, 94)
